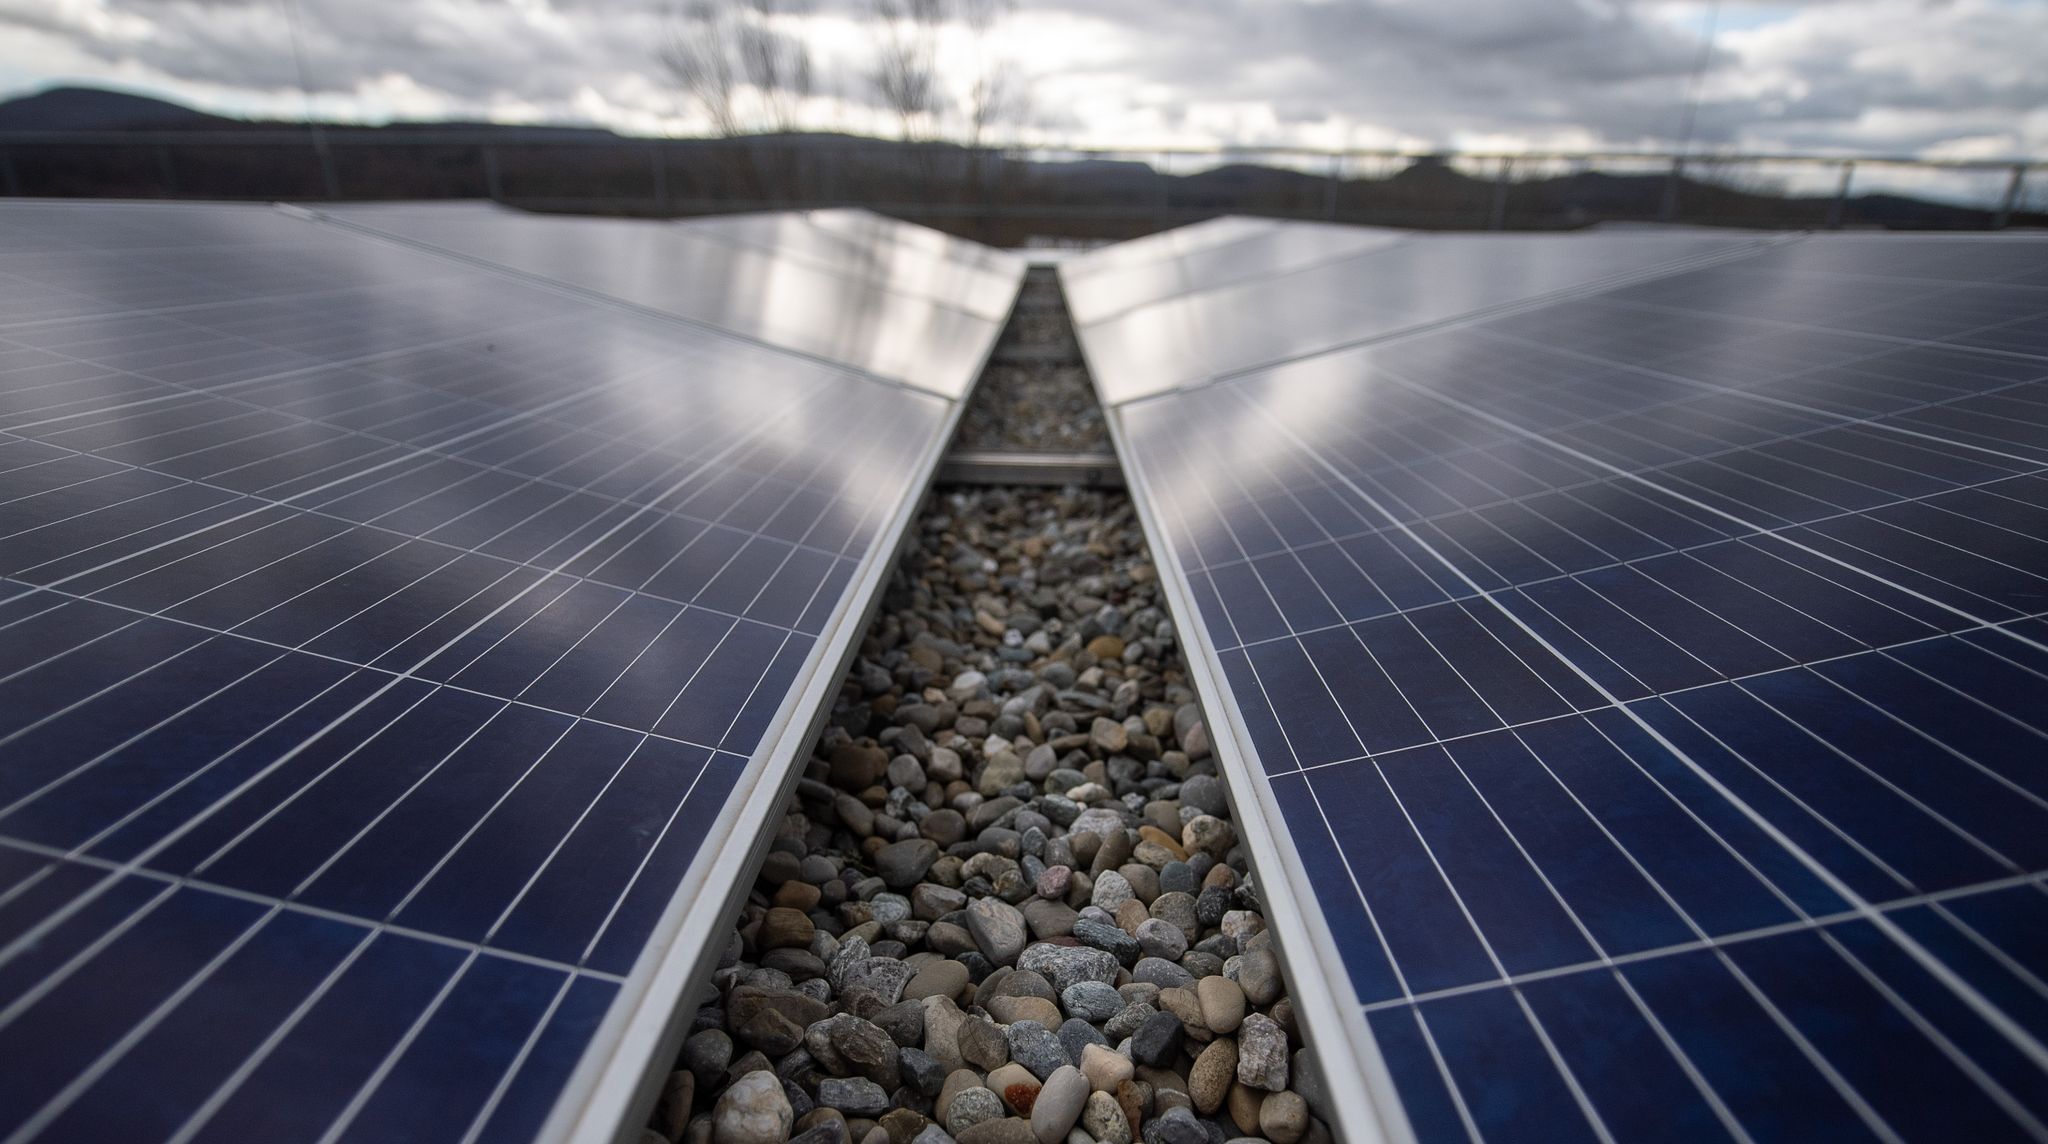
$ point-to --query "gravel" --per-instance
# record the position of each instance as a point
(1046, 406)
(1006, 904)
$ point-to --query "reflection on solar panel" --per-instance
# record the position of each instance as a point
(395, 653)
(1646, 686)
(848, 288)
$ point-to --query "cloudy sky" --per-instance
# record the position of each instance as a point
(1952, 78)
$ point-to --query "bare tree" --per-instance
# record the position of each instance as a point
(930, 86)
(739, 66)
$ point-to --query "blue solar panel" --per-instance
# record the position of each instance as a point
(1646, 690)
(389, 647)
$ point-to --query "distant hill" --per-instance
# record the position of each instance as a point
(989, 195)
(91, 109)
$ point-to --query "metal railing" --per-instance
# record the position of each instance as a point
(1087, 192)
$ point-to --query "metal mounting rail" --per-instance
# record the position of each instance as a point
(995, 467)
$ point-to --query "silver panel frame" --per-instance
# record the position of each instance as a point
(1329, 1011)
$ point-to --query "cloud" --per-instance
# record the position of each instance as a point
(1853, 75)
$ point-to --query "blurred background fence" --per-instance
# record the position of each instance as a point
(1009, 195)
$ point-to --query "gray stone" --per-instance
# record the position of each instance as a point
(1205, 793)
(1094, 1001)
(1177, 1126)
(1164, 974)
(1178, 878)
(752, 1110)
(1059, 1104)
(920, 1071)
(903, 1021)
(1076, 1035)
(1262, 1053)
(708, 1054)
(1033, 1046)
(1127, 1023)
(884, 976)
(998, 929)
(1258, 973)
(932, 1134)
(854, 1096)
(901, 864)
(1157, 1042)
(1102, 1118)
(1161, 939)
(1109, 938)
(1111, 890)
(1066, 965)
(971, 1107)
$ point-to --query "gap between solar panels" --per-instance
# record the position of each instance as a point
(1620, 639)
(1008, 899)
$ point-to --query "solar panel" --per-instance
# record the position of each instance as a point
(1384, 287)
(857, 292)
(398, 656)
(1642, 691)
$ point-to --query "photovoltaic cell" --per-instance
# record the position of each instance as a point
(1642, 686)
(391, 645)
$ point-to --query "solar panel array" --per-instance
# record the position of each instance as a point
(394, 643)
(1641, 676)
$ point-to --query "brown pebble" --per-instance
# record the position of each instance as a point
(1244, 1104)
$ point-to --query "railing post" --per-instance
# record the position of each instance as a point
(2012, 197)
(1497, 214)
(1668, 210)
(660, 169)
(10, 179)
(1839, 208)
(492, 190)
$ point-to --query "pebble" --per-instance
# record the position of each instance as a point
(1161, 939)
(1076, 1035)
(1059, 1104)
(1213, 1073)
(1177, 1126)
(1283, 1117)
(982, 1044)
(942, 978)
(1262, 1053)
(1258, 974)
(1010, 809)
(1103, 1120)
(752, 1110)
(971, 1107)
(998, 929)
(1094, 1001)
(1157, 1042)
(1009, 1130)
(1067, 965)
(1034, 1046)
(1108, 938)
(1161, 972)
(1017, 1086)
(1222, 1003)
(1105, 1068)
(1112, 889)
